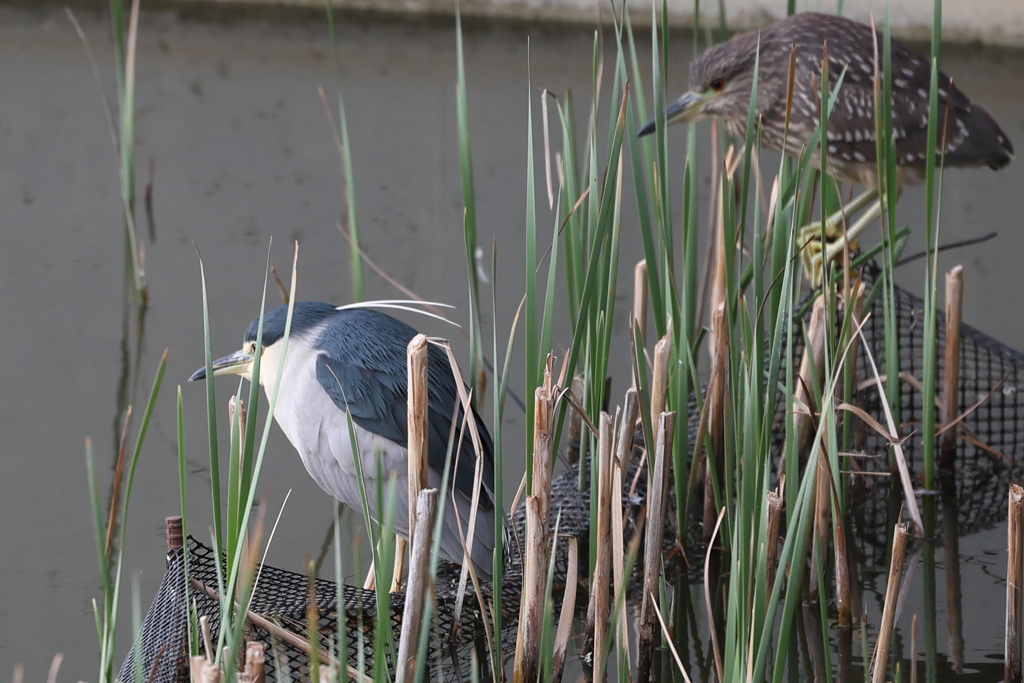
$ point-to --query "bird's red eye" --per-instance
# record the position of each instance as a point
(717, 84)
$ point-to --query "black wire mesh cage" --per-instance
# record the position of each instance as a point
(989, 447)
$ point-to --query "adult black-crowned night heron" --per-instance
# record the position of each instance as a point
(721, 81)
(354, 361)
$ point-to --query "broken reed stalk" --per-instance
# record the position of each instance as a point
(659, 381)
(640, 299)
(538, 541)
(418, 584)
(951, 376)
(1014, 583)
(774, 519)
(656, 494)
(892, 591)
(255, 657)
(203, 667)
(595, 644)
(416, 418)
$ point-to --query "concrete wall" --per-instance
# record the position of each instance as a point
(990, 22)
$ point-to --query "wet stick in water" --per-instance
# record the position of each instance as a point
(892, 591)
(951, 377)
(954, 591)
(1014, 582)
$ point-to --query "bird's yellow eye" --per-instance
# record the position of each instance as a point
(717, 84)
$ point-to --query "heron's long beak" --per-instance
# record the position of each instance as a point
(686, 108)
(238, 363)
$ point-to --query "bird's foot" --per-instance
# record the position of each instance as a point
(814, 254)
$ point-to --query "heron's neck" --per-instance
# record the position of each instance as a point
(270, 361)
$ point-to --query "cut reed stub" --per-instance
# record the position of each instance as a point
(892, 591)
(418, 584)
(1014, 578)
(951, 376)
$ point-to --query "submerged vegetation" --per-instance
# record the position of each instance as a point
(749, 461)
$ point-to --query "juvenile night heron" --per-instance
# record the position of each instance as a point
(721, 81)
(354, 361)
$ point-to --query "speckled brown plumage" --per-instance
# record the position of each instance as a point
(972, 137)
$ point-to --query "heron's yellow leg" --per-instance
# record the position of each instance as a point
(815, 257)
(814, 252)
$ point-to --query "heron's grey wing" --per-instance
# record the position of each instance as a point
(376, 404)
(443, 404)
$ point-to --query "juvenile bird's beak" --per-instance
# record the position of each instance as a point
(238, 363)
(686, 108)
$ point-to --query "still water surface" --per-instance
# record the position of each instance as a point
(241, 150)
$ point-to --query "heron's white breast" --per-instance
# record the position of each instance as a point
(319, 430)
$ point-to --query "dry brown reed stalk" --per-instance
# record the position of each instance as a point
(1014, 584)
(909, 498)
(565, 617)
(538, 542)
(652, 544)
(716, 406)
(856, 299)
(623, 446)
(892, 590)
(709, 603)
(416, 418)
(811, 369)
(640, 300)
(951, 375)
(418, 585)
(575, 445)
(842, 570)
(822, 513)
(774, 519)
(596, 632)
(253, 670)
(203, 667)
(115, 493)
